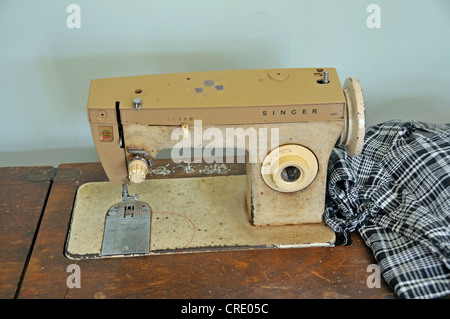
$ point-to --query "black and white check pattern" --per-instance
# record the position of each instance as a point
(396, 194)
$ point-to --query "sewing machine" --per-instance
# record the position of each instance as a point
(287, 121)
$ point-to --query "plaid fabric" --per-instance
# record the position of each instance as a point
(396, 194)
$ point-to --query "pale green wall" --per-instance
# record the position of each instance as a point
(46, 67)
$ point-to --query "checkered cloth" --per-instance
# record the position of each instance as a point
(396, 194)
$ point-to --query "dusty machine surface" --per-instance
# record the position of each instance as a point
(286, 120)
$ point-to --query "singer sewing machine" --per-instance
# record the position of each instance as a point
(286, 120)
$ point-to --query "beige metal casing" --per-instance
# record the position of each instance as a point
(305, 112)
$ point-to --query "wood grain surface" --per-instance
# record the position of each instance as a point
(337, 272)
(21, 206)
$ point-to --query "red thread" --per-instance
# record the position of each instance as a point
(193, 234)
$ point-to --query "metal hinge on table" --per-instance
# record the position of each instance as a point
(52, 174)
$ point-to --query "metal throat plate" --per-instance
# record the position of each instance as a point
(127, 229)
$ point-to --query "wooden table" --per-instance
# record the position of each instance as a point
(21, 205)
(35, 266)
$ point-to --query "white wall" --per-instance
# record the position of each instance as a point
(46, 67)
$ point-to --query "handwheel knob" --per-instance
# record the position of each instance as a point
(352, 136)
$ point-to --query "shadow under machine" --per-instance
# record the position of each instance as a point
(287, 121)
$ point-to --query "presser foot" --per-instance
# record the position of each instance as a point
(127, 227)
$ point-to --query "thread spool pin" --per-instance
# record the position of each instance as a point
(325, 77)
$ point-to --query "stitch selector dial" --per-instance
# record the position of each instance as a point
(289, 168)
